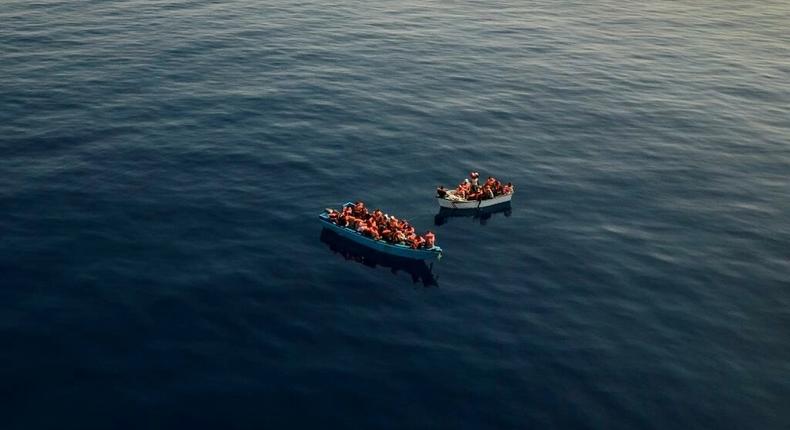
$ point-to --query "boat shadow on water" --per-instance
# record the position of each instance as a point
(352, 251)
(481, 215)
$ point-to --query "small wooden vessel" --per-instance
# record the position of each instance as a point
(398, 250)
(452, 201)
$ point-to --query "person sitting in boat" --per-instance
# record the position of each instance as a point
(374, 229)
(497, 188)
(459, 191)
(397, 224)
(332, 214)
(430, 239)
(441, 192)
(417, 241)
(362, 227)
(368, 228)
(463, 189)
(359, 209)
(408, 229)
(389, 235)
(507, 188)
(378, 217)
(488, 192)
(392, 223)
(342, 218)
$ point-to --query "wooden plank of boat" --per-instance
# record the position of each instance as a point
(398, 250)
(454, 202)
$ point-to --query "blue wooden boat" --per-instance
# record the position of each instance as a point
(398, 250)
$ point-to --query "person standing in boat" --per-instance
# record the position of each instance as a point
(474, 176)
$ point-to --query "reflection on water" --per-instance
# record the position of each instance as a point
(419, 270)
(482, 215)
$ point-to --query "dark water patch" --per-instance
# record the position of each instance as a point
(164, 163)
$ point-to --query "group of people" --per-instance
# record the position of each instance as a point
(380, 226)
(470, 188)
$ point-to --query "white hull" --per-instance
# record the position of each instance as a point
(451, 203)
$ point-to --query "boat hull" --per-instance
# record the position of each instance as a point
(473, 204)
(402, 251)
(419, 270)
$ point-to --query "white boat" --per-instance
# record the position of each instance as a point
(456, 202)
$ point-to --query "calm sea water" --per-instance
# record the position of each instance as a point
(162, 164)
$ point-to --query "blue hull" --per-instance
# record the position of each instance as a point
(381, 246)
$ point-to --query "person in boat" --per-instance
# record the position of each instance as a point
(374, 229)
(392, 223)
(459, 190)
(347, 214)
(362, 227)
(463, 189)
(408, 228)
(430, 239)
(359, 209)
(417, 241)
(390, 235)
(380, 226)
(497, 188)
(368, 228)
(333, 215)
(378, 217)
(507, 188)
(488, 192)
(342, 217)
(474, 183)
(441, 192)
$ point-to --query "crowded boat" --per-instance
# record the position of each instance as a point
(377, 225)
(470, 189)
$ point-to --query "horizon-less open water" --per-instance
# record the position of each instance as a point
(162, 164)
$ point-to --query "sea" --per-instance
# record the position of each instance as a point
(163, 164)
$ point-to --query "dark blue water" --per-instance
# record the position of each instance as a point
(162, 164)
